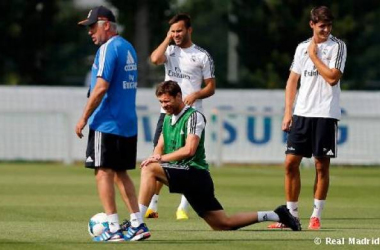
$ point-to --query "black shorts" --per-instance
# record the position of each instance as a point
(157, 134)
(195, 184)
(313, 136)
(111, 151)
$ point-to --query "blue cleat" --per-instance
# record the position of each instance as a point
(137, 233)
(107, 236)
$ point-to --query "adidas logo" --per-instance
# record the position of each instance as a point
(182, 133)
(265, 217)
(330, 152)
(130, 63)
(130, 59)
(89, 159)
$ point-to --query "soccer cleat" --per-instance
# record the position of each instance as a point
(277, 225)
(287, 219)
(315, 223)
(137, 233)
(182, 214)
(150, 213)
(125, 225)
(109, 237)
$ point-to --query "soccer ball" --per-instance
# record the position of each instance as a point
(97, 224)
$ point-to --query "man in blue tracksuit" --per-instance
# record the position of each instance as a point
(111, 114)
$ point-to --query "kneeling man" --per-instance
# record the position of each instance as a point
(179, 161)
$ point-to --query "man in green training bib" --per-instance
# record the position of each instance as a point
(179, 161)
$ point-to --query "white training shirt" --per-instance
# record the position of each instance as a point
(316, 98)
(188, 67)
(196, 123)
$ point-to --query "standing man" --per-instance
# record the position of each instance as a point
(319, 62)
(190, 66)
(111, 114)
(179, 161)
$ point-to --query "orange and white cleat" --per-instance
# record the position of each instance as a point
(277, 225)
(315, 223)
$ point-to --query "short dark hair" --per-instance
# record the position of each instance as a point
(321, 14)
(181, 17)
(168, 87)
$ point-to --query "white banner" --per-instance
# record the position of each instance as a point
(243, 126)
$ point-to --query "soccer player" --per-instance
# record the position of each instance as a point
(190, 66)
(319, 63)
(179, 161)
(111, 114)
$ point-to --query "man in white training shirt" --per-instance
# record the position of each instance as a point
(191, 67)
(319, 62)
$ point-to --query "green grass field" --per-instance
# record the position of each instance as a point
(47, 206)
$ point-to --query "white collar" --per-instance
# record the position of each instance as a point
(175, 118)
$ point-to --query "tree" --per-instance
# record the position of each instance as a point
(143, 25)
(357, 22)
(270, 30)
(41, 44)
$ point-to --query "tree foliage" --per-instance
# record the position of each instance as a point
(144, 25)
(358, 25)
(270, 30)
(41, 43)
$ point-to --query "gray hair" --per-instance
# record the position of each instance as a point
(113, 25)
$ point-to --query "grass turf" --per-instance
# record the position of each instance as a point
(47, 206)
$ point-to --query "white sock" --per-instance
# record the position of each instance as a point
(318, 207)
(267, 216)
(142, 209)
(154, 203)
(113, 222)
(293, 208)
(184, 204)
(136, 219)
